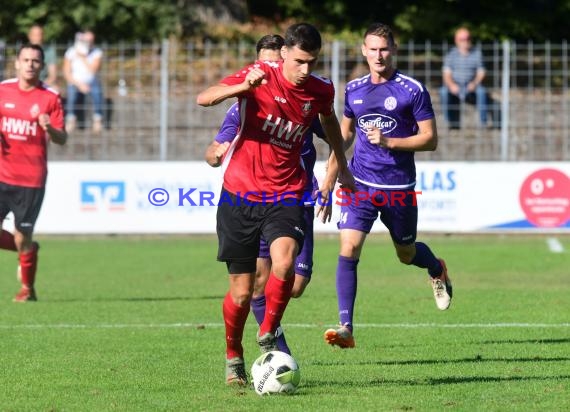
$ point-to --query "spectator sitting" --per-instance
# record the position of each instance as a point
(463, 74)
(81, 67)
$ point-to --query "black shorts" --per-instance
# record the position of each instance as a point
(24, 202)
(241, 225)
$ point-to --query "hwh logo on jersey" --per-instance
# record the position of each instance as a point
(19, 127)
(284, 129)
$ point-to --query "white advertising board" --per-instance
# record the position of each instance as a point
(118, 197)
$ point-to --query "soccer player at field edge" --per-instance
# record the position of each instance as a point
(278, 102)
(30, 115)
(391, 116)
(269, 49)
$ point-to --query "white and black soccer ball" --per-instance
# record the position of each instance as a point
(275, 372)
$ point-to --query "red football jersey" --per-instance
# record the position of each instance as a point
(265, 160)
(23, 143)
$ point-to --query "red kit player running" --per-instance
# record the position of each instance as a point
(30, 115)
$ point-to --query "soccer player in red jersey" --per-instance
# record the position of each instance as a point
(264, 180)
(30, 115)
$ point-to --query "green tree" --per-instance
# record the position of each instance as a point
(151, 20)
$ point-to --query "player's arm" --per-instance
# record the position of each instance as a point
(348, 131)
(226, 135)
(216, 94)
(425, 140)
(58, 136)
(338, 166)
(215, 153)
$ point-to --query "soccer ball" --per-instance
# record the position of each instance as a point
(275, 372)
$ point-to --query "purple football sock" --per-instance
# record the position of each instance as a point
(280, 340)
(346, 285)
(258, 309)
(425, 259)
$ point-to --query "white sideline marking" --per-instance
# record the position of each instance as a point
(289, 325)
(554, 245)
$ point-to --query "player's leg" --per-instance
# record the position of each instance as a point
(351, 242)
(401, 220)
(26, 206)
(235, 309)
(6, 238)
(263, 269)
(6, 198)
(356, 220)
(304, 260)
(238, 246)
(284, 228)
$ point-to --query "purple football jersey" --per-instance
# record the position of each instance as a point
(394, 107)
(230, 126)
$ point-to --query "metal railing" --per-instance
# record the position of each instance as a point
(151, 90)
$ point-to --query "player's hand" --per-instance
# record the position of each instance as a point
(44, 121)
(376, 137)
(255, 78)
(221, 151)
(346, 180)
(324, 205)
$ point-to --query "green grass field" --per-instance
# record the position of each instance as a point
(134, 324)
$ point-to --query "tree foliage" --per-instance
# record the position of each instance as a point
(149, 20)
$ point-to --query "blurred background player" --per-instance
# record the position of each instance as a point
(268, 167)
(30, 116)
(269, 49)
(383, 166)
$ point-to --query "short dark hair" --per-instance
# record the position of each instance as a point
(270, 42)
(381, 30)
(303, 35)
(31, 46)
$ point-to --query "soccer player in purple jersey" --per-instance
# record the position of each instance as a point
(268, 49)
(390, 116)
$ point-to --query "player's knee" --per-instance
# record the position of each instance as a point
(405, 256)
(241, 298)
(350, 250)
(258, 289)
(283, 269)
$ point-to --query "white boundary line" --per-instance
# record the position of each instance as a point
(289, 325)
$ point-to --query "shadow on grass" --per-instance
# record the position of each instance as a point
(433, 381)
(475, 359)
(510, 341)
(137, 299)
